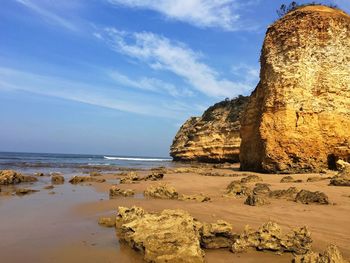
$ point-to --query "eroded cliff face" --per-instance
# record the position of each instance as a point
(214, 137)
(298, 117)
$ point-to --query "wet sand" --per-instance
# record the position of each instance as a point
(62, 227)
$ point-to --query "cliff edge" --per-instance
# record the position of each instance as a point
(214, 137)
(298, 117)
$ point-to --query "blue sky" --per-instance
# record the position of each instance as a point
(121, 76)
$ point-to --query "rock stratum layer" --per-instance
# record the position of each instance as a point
(214, 137)
(298, 117)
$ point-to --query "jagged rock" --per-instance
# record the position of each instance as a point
(25, 191)
(269, 237)
(131, 178)
(126, 215)
(162, 191)
(12, 177)
(214, 137)
(84, 179)
(57, 179)
(308, 197)
(261, 189)
(198, 198)
(298, 117)
(155, 176)
(107, 221)
(39, 174)
(343, 177)
(251, 179)
(255, 200)
(340, 181)
(315, 179)
(289, 179)
(114, 191)
(331, 255)
(289, 193)
(216, 235)
(236, 188)
(169, 236)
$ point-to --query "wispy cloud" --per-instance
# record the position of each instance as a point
(201, 13)
(149, 84)
(49, 16)
(102, 96)
(160, 53)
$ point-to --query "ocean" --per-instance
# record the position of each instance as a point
(48, 162)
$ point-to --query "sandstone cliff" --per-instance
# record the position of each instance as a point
(214, 137)
(298, 117)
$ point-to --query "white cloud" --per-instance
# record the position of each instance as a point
(150, 84)
(201, 13)
(49, 16)
(160, 53)
(102, 96)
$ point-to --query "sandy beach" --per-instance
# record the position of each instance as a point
(63, 226)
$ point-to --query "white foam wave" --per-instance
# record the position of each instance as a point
(136, 159)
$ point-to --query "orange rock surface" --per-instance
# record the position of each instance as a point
(298, 117)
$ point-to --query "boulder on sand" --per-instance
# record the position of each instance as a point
(169, 236)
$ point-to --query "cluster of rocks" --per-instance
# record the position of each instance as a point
(8, 177)
(165, 191)
(175, 236)
(85, 179)
(133, 177)
(115, 191)
(258, 195)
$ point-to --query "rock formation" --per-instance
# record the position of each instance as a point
(298, 117)
(214, 137)
(171, 236)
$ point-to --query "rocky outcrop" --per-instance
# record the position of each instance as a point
(8, 177)
(115, 191)
(270, 237)
(85, 179)
(170, 236)
(298, 117)
(331, 255)
(214, 137)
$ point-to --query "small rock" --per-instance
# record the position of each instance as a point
(24, 191)
(255, 200)
(315, 179)
(251, 179)
(162, 191)
(308, 197)
(131, 178)
(331, 255)
(216, 235)
(289, 193)
(197, 198)
(237, 188)
(114, 191)
(48, 187)
(10, 177)
(261, 189)
(107, 221)
(290, 179)
(270, 237)
(39, 174)
(57, 179)
(154, 177)
(84, 179)
(29, 179)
